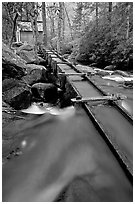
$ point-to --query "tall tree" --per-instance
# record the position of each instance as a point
(77, 21)
(52, 21)
(44, 23)
(13, 39)
(13, 12)
(128, 23)
(33, 13)
(59, 40)
(51, 13)
(79, 14)
(63, 21)
(69, 22)
(110, 12)
(96, 15)
(110, 18)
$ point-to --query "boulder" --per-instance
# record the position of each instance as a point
(17, 92)
(128, 84)
(6, 109)
(110, 67)
(17, 44)
(82, 58)
(12, 65)
(102, 73)
(38, 61)
(93, 64)
(29, 57)
(16, 84)
(65, 56)
(46, 91)
(9, 54)
(9, 84)
(66, 49)
(92, 58)
(11, 69)
(25, 46)
(35, 73)
(18, 97)
(85, 69)
(31, 67)
(122, 73)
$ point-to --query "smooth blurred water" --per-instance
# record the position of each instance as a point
(59, 151)
(126, 105)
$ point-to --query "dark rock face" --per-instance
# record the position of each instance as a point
(46, 91)
(17, 97)
(28, 56)
(14, 90)
(22, 100)
(17, 92)
(67, 49)
(86, 59)
(65, 98)
(16, 84)
(10, 69)
(25, 46)
(12, 65)
(9, 83)
(82, 58)
(38, 61)
(27, 53)
(36, 73)
(18, 76)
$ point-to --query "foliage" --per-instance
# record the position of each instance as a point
(110, 47)
(108, 36)
(10, 13)
(6, 26)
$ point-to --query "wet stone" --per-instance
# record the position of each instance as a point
(17, 97)
(110, 67)
(9, 83)
(35, 74)
(46, 91)
(12, 65)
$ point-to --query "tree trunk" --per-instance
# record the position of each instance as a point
(80, 7)
(13, 39)
(110, 18)
(97, 16)
(52, 28)
(50, 10)
(33, 18)
(110, 12)
(59, 41)
(69, 23)
(127, 33)
(63, 22)
(44, 24)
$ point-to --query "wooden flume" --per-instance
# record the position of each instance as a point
(73, 74)
(113, 97)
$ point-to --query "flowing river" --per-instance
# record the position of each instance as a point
(63, 157)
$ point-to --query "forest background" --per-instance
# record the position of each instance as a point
(91, 33)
